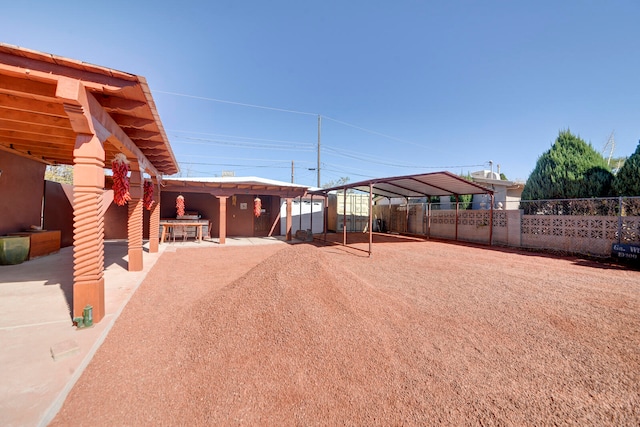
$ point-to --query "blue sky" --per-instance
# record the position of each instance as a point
(402, 87)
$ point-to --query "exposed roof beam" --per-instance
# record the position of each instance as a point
(29, 88)
(31, 117)
(9, 135)
(86, 113)
(36, 129)
(126, 121)
(34, 105)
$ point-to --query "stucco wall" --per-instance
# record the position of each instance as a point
(21, 192)
(240, 222)
(58, 212)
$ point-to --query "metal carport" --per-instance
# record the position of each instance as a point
(421, 185)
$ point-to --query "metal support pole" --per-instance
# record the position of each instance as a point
(300, 211)
(457, 206)
(311, 218)
(406, 217)
(429, 212)
(370, 218)
(344, 218)
(325, 215)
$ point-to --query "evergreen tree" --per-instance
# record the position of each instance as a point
(570, 169)
(627, 180)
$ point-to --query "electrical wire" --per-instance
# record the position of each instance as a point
(242, 104)
(300, 146)
(242, 144)
(237, 137)
(373, 132)
(285, 110)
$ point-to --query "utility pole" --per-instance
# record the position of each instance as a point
(292, 171)
(319, 127)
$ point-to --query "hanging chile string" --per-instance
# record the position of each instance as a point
(120, 168)
(180, 205)
(148, 195)
(257, 206)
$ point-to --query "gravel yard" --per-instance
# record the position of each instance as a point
(421, 333)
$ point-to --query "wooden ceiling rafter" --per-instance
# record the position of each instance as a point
(30, 109)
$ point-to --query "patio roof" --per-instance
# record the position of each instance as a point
(229, 186)
(40, 118)
(421, 185)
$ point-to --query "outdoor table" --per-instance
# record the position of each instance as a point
(165, 224)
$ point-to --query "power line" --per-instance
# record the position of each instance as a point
(285, 110)
(242, 104)
(373, 132)
(236, 136)
(200, 156)
(233, 165)
(243, 144)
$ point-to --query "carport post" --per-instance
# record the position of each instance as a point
(370, 217)
(311, 218)
(406, 217)
(344, 217)
(325, 215)
(429, 218)
(457, 207)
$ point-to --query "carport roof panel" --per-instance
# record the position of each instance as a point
(421, 185)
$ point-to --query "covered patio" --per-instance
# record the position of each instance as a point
(230, 203)
(61, 111)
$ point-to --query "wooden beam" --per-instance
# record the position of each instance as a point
(36, 118)
(136, 134)
(24, 154)
(119, 104)
(36, 129)
(34, 105)
(123, 142)
(126, 121)
(22, 87)
(9, 135)
(37, 149)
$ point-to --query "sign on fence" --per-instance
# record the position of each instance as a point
(629, 252)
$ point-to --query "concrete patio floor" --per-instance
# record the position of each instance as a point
(36, 325)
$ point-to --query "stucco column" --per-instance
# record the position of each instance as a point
(222, 224)
(289, 220)
(88, 226)
(154, 219)
(135, 220)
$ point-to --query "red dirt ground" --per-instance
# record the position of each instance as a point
(421, 333)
